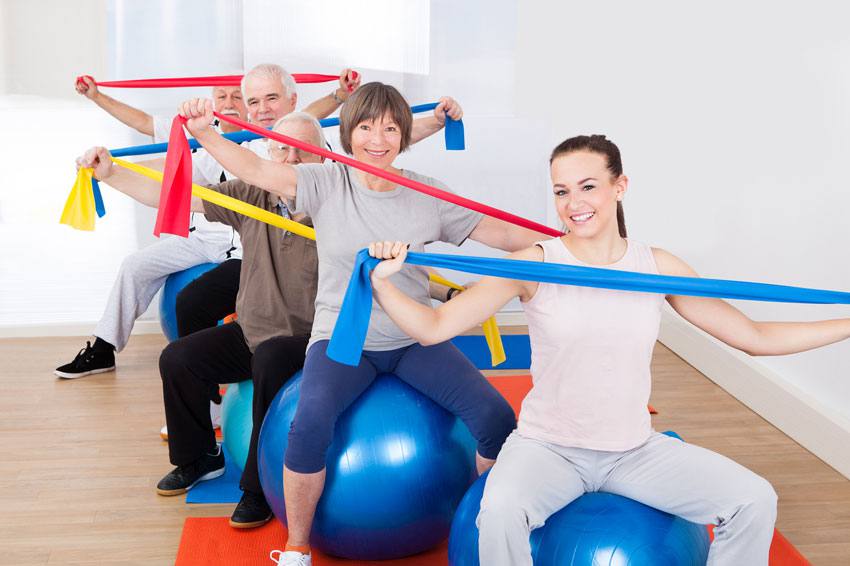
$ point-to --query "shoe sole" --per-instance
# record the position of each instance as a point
(208, 476)
(65, 375)
(251, 525)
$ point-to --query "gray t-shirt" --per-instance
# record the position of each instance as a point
(348, 217)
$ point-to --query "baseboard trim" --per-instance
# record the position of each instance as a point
(510, 318)
(816, 427)
(69, 329)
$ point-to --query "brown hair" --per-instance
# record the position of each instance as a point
(605, 147)
(370, 102)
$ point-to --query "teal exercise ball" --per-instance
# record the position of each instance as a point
(237, 420)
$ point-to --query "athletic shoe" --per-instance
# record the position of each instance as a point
(89, 361)
(252, 511)
(290, 558)
(183, 478)
(215, 414)
(215, 417)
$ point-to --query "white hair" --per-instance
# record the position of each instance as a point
(304, 118)
(272, 71)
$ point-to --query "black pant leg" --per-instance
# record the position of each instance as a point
(208, 299)
(275, 361)
(191, 369)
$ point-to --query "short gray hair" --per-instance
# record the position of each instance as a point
(273, 71)
(304, 118)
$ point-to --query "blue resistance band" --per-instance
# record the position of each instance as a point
(98, 198)
(349, 334)
(453, 132)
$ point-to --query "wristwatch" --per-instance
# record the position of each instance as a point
(337, 99)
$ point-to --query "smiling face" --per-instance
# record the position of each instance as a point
(586, 193)
(266, 100)
(376, 142)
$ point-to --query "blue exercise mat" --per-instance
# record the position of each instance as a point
(517, 351)
(224, 489)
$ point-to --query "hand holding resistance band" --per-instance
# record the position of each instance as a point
(349, 334)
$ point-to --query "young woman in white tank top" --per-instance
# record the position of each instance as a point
(584, 425)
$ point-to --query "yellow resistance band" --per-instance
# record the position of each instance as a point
(491, 331)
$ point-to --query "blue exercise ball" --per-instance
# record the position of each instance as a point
(237, 409)
(396, 470)
(174, 283)
(597, 528)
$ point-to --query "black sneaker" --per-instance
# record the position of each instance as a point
(252, 511)
(183, 478)
(88, 362)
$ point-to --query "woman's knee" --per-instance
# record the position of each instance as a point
(754, 504)
(762, 498)
(495, 422)
(310, 435)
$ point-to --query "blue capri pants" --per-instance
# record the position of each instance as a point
(440, 372)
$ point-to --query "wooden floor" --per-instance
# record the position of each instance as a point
(80, 459)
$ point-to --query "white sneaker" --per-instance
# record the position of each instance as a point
(290, 558)
(215, 417)
(215, 414)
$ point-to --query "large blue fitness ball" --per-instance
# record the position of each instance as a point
(396, 470)
(173, 285)
(597, 528)
(237, 409)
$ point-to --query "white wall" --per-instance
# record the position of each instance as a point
(49, 42)
(734, 123)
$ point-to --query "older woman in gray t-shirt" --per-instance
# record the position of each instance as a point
(350, 209)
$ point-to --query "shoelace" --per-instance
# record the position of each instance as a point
(280, 554)
(84, 355)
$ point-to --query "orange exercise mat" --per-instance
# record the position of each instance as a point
(211, 541)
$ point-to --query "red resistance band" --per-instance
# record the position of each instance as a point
(175, 197)
(222, 80)
(398, 179)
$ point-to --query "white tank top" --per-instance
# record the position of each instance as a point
(590, 357)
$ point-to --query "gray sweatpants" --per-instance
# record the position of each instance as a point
(532, 480)
(143, 273)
